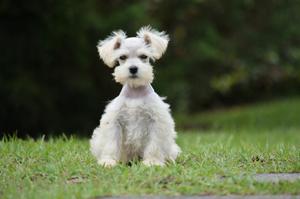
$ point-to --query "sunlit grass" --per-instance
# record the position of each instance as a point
(283, 114)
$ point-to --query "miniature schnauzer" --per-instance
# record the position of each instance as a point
(137, 123)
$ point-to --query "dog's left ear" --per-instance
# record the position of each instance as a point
(158, 41)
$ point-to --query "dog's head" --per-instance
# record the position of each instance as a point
(132, 55)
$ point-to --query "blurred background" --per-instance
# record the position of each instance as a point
(221, 53)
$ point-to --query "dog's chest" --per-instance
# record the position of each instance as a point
(135, 120)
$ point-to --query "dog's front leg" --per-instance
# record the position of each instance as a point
(106, 141)
(153, 155)
(111, 151)
(161, 146)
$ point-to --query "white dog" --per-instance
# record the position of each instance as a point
(137, 123)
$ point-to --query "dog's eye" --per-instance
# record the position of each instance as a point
(123, 57)
(143, 56)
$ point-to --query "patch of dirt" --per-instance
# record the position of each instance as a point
(76, 180)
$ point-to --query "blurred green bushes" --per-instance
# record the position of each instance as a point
(221, 53)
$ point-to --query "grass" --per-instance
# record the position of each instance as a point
(218, 159)
(279, 114)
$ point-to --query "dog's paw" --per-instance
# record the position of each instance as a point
(153, 162)
(107, 163)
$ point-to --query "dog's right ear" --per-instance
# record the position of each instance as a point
(107, 47)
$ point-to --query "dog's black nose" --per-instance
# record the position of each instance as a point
(133, 70)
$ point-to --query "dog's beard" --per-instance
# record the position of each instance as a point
(136, 82)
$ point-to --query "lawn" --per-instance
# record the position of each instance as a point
(218, 158)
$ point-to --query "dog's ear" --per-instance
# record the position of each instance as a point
(109, 45)
(158, 41)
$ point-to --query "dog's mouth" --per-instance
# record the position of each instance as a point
(133, 76)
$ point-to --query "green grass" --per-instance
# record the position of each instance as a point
(280, 114)
(218, 159)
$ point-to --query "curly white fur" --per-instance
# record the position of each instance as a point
(137, 123)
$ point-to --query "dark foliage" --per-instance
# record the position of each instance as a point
(221, 53)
